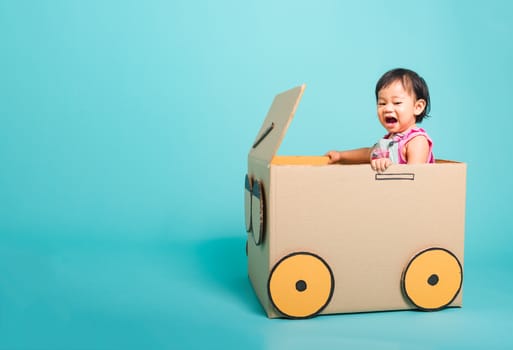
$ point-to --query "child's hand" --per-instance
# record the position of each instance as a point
(380, 164)
(334, 156)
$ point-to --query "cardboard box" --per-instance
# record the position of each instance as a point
(325, 239)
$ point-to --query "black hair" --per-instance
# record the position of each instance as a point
(411, 81)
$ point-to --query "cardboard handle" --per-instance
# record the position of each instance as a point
(395, 176)
(264, 134)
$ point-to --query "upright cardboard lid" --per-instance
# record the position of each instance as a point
(275, 125)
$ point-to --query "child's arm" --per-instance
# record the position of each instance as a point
(417, 150)
(354, 156)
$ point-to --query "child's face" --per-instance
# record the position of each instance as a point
(398, 107)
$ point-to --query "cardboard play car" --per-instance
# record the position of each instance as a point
(325, 239)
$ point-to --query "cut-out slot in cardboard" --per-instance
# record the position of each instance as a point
(395, 176)
(366, 226)
(266, 132)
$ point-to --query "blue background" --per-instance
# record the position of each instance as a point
(124, 133)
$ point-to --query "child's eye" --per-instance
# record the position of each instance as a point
(397, 103)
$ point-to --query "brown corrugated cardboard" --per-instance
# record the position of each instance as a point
(326, 239)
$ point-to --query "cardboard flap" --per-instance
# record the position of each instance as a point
(275, 126)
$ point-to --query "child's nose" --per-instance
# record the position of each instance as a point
(389, 107)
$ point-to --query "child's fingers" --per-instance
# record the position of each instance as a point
(333, 156)
(381, 164)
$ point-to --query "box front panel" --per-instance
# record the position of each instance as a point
(367, 227)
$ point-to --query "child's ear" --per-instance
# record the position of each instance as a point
(420, 104)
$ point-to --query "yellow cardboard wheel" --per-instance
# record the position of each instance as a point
(432, 279)
(248, 184)
(300, 285)
(257, 211)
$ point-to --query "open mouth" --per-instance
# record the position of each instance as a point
(390, 120)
